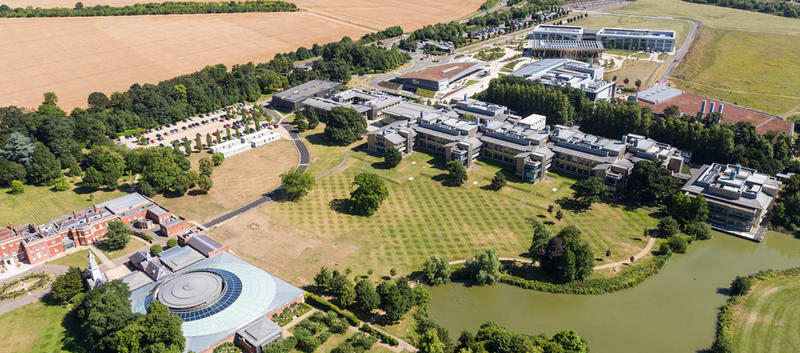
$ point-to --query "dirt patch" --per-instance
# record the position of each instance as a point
(76, 56)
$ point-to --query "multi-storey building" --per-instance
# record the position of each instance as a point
(565, 72)
(455, 138)
(550, 32)
(637, 39)
(588, 155)
(738, 197)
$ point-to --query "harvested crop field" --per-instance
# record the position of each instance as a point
(76, 56)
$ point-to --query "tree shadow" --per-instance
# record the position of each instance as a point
(196, 192)
(573, 205)
(73, 340)
(83, 189)
(549, 223)
(340, 205)
(320, 139)
(380, 165)
(724, 291)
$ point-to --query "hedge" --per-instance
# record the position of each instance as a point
(626, 279)
(723, 336)
(320, 301)
(379, 335)
(144, 236)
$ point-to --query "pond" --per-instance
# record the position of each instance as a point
(672, 312)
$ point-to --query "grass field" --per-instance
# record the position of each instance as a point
(420, 218)
(76, 56)
(713, 16)
(633, 70)
(239, 180)
(78, 259)
(40, 204)
(133, 245)
(33, 328)
(745, 68)
(599, 21)
(766, 321)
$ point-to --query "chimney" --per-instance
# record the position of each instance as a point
(74, 215)
(465, 97)
(719, 110)
(738, 168)
(94, 207)
(421, 114)
(86, 215)
(711, 110)
(703, 107)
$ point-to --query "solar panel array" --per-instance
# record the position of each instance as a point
(233, 288)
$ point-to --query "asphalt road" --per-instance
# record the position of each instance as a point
(305, 159)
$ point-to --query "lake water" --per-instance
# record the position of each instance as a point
(671, 312)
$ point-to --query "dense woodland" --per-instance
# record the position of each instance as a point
(166, 8)
(39, 147)
(709, 141)
(787, 8)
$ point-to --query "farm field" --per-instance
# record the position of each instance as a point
(76, 56)
(239, 180)
(746, 68)
(599, 21)
(766, 321)
(420, 218)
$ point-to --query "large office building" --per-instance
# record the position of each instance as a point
(637, 39)
(399, 134)
(738, 198)
(552, 32)
(569, 49)
(367, 103)
(660, 97)
(453, 137)
(291, 98)
(565, 72)
(220, 297)
(438, 77)
(611, 38)
(34, 244)
(586, 155)
(410, 111)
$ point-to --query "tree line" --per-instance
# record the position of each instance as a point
(778, 8)
(703, 135)
(166, 8)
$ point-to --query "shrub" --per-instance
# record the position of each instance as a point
(667, 227)
(324, 337)
(144, 236)
(17, 187)
(741, 285)
(156, 249)
(217, 158)
(227, 347)
(677, 243)
(392, 157)
(306, 342)
(379, 335)
(664, 249)
(171, 243)
(326, 305)
(283, 346)
(61, 184)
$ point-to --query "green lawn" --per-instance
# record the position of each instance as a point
(39, 204)
(79, 259)
(33, 328)
(132, 246)
(745, 68)
(767, 319)
(420, 218)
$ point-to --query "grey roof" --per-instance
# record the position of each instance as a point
(204, 244)
(658, 93)
(125, 203)
(538, 67)
(448, 137)
(714, 183)
(156, 270)
(409, 110)
(178, 257)
(542, 44)
(260, 331)
(637, 33)
(138, 257)
(558, 29)
(158, 211)
(518, 148)
(328, 104)
(581, 154)
(136, 280)
(303, 91)
(394, 138)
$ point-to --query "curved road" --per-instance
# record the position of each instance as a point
(10, 305)
(305, 159)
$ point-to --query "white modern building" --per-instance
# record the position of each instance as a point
(549, 32)
(637, 39)
(245, 143)
(565, 72)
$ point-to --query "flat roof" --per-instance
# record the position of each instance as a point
(444, 72)
(179, 257)
(557, 29)
(125, 203)
(303, 91)
(637, 32)
(542, 44)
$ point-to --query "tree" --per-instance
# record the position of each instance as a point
(192, 176)
(17, 187)
(430, 343)
(570, 341)
(677, 244)
(540, 239)
(456, 174)
(172, 242)
(300, 122)
(10, 171)
(567, 257)
(741, 285)
(187, 146)
(437, 270)
(699, 231)
(667, 227)
(61, 184)
(313, 120)
(109, 163)
(181, 184)
(198, 142)
(66, 286)
(156, 249)
(79, 6)
(484, 268)
(391, 301)
(209, 140)
(588, 191)
(104, 311)
(296, 183)
(366, 296)
(323, 279)
(498, 181)
(638, 84)
(392, 158)
(145, 189)
(205, 183)
(559, 215)
(44, 168)
(626, 81)
(369, 194)
(206, 166)
(345, 126)
(650, 183)
(228, 133)
(118, 235)
(342, 288)
(217, 158)
(92, 179)
(19, 149)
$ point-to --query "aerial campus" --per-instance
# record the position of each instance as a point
(302, 176)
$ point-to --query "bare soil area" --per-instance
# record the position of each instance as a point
(76, 56)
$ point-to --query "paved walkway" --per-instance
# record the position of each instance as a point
(9, 305)
(344, 160)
